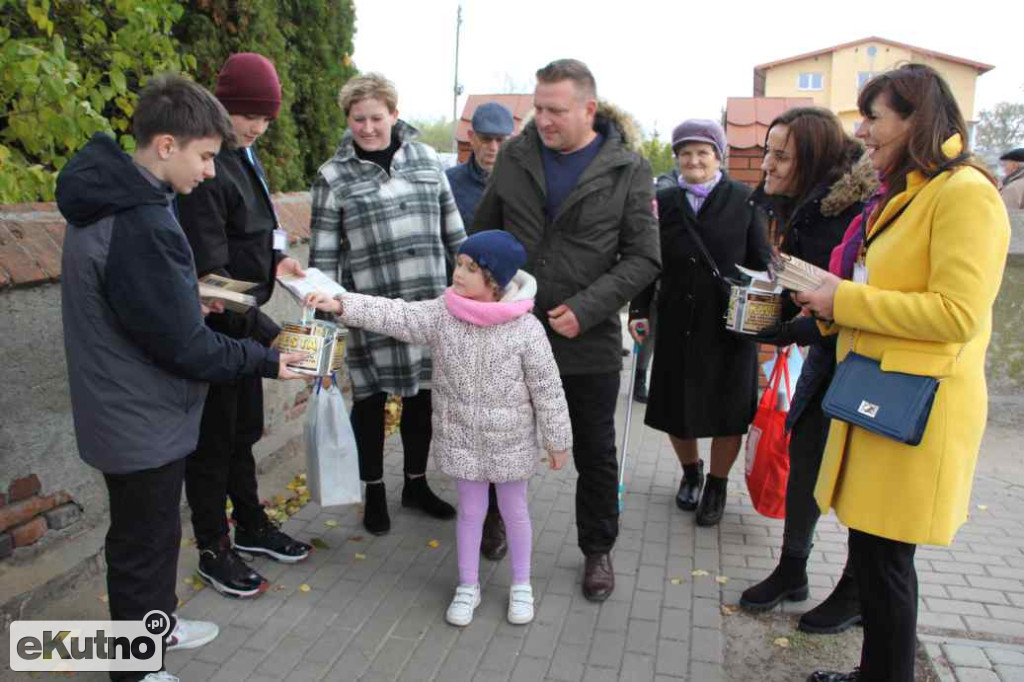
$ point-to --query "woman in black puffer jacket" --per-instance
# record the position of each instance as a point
(816, 180)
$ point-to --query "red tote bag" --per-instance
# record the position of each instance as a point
(767, 454)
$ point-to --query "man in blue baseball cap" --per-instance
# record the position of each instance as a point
(492, 124)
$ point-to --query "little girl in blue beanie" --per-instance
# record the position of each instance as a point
(495, 382)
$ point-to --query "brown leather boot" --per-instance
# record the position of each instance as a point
(493, 544)
(598, 577)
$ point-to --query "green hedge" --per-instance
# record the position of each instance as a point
(71, 68)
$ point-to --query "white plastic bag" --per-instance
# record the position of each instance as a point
(332, 464)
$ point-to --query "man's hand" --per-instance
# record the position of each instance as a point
(214, 307)
(322, 302)
(819, 302)
(563, 320)
(290, 266)
(638, 329)
(282, 366)
(557, 459)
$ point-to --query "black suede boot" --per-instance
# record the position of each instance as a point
(418, 495)
(712, 501)
(375, 512)
(787, 581)
(689, 488)
(840, 610)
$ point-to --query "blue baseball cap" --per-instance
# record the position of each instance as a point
(492, 119)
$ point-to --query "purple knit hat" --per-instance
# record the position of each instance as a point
(699, 130)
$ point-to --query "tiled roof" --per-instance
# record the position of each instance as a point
(747, 118)
(519, 105)
(980, 67)
(31, 236)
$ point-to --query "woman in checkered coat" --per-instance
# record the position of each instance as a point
(384, 223)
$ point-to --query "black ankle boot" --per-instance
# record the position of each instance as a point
(787, 581)
(840, 610)
(689, 488)
(375, 512)
(418, 495)
(712, 501)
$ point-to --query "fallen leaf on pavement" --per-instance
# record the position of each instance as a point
(982, 507)
(319, 544)
(331, 523)
(721, 579)
(676, 581)
(728, 610)
(360, 556)
(433, 544)
(782, 642)
(698, 572)
(103, 598)
(355, 538)
(304, 588)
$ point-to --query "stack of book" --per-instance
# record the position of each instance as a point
(795, 274)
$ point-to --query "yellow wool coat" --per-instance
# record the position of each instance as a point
(926, 309)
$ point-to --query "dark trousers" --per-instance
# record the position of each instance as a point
(368, 425)
(223, 465)
(142, 544)
(806, 449)
(887, 582)
(592, 399)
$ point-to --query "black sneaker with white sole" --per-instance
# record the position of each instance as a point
(223, 570)
(270, 541)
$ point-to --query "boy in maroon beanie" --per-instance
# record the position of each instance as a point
(232, 227)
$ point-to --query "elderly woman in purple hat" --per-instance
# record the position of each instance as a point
(704, 379)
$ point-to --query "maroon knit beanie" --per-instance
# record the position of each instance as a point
(248, 84)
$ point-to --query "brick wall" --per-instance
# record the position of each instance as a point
(37, 442)
(745, 165)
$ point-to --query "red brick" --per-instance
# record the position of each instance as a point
(24, 488)
(42, 249)
(17, 261)
(738, 163)
(28, 533)
(747, 176)
(20, 512)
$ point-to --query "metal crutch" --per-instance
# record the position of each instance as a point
(629, 418)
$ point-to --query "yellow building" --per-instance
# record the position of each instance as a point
(832, 77)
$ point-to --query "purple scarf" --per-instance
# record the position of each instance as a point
(696, 194)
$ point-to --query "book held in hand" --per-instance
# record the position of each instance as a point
(231, 292)
(315, 280)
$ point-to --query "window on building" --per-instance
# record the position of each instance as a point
(863, 77)
(810, 81)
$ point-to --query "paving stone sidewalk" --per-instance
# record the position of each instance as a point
(375, 606)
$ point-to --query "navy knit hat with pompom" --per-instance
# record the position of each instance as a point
(498, 251)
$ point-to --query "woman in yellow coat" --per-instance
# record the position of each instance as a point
(920, 303)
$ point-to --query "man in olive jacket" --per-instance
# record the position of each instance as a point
(572, 191)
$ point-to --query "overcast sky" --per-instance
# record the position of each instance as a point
(663, 61)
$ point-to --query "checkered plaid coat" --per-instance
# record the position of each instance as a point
(385, 236)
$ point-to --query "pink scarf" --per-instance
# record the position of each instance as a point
(485, 313)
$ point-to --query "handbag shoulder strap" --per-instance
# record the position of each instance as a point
(704, 251)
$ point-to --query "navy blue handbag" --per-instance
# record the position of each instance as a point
(891, 404)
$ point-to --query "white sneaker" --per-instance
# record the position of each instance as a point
(520, 604)
(191, 634)
(460, 611)
(161, 676)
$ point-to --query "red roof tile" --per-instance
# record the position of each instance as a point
(747, 118)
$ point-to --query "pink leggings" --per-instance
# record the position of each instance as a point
(472, 509)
